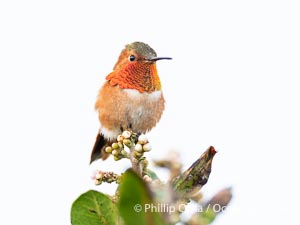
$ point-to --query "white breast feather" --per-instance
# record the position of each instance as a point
(132, 93)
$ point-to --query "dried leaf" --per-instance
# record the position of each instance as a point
(193, 179)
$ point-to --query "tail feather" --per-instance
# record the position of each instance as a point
(98, 151)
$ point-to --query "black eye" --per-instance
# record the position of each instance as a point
(131, 58)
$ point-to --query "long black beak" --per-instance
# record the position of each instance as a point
(154, 59)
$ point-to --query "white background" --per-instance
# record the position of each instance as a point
(233, 83)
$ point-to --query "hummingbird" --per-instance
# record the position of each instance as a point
(130, 98)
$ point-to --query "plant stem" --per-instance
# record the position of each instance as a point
(135, 163)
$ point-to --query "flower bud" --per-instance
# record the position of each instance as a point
(138, 147)
(145, 163)
(137, 155)
(147, 147)
(120, 138)
(127, 142)
(120, 145)
(115, 152)
(143, 139)
(115, 146)
(126, 134)
(98, 182)
(124, 153)
(108, 149)
(99, 176)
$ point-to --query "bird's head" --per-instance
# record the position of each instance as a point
(136, 68)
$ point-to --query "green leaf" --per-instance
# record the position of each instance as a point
(94, 208)
(135, 202)
(208, 215)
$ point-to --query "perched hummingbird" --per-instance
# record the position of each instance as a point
(130, 98)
